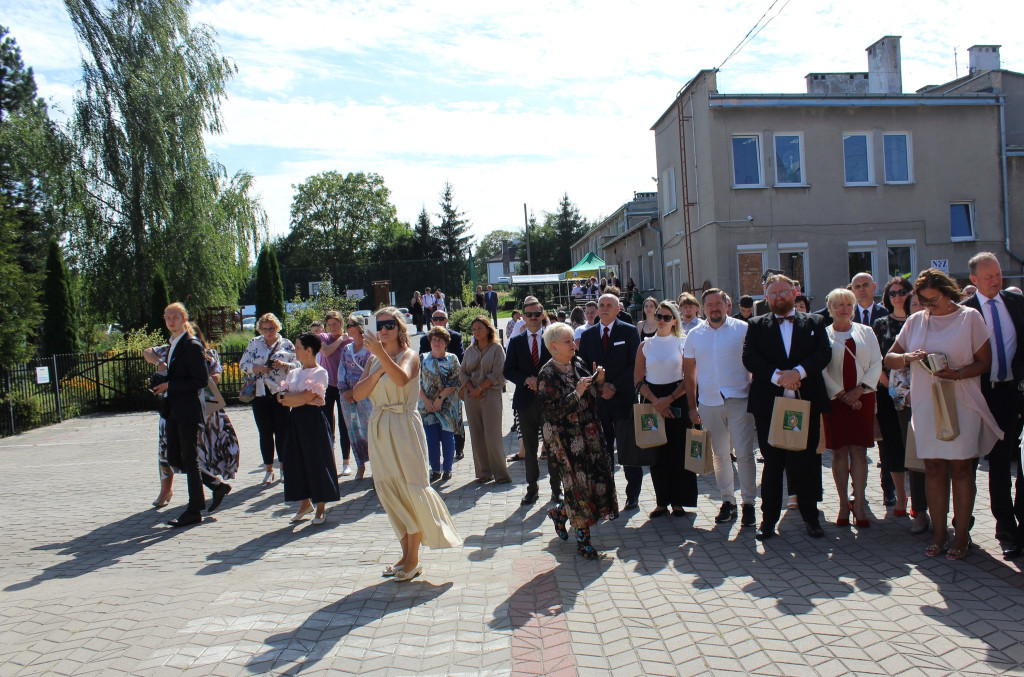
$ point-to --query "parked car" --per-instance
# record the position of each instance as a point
(407, 314)
(249, 324)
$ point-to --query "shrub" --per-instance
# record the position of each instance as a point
(314, 308)
(234, 342)
(461, 320)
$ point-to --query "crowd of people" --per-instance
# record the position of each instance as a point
(930, 374)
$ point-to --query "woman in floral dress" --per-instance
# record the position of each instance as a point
(440, 406)
(354, 357)
(573, 437)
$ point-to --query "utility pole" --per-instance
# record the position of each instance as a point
(529, 261)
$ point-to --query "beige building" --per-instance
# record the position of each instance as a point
(630, 240)
(853, 175)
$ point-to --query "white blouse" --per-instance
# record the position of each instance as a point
(313, 379)
(663, 357)
(868, 358)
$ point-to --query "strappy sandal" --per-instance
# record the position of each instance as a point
(955, 554)
(935, 549)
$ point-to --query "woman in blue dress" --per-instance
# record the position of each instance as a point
(354, 357)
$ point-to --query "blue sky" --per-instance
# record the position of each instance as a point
(510, 104)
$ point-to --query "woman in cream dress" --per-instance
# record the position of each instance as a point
(398, 446)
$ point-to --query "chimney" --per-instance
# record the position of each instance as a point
(984, 58)
(885, 73)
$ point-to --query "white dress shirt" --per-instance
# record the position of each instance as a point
(1008, 339)
(174, 342)
(718, 354)
(865, 313)
(786, 329)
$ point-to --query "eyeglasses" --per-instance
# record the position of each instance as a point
(780, 294)
(925, 301)
(387, 324)
(267, 329)
(438, 318)
(663, 318)
(351, 326)
(899, 292)
(534, 313)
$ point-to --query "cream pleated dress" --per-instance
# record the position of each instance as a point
(398, 456)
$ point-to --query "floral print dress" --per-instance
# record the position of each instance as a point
(435, 376)
(357, 414)
(575, 443)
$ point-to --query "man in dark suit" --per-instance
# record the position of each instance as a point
(491, 304)
(867, 311)
(439, 318)
(183, 410)
(525, 356)
(612, 344)
(1004, 314)
(785, 351)
(762, 306)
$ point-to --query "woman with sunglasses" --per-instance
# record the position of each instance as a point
(658, 374)
(959, 334)
(891, 450)
(398, 446)
(353, 361)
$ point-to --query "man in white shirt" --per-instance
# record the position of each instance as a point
(577, 290)
(591, 314)
(428, 302)
(713, 369)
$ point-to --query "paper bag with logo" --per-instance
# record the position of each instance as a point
(700, 457)
(790, 418)
(912, 462)
(649, 426)
(947, 425)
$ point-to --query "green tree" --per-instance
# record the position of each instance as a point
(153, 86)
(338, 217)
(158, 301)
(276, 285)
(452, 238)
(60, 322)
(264, 283)
(426, 245)
(567, 226)
(489, 246)
(21, 311)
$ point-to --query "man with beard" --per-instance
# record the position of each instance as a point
(785, 351)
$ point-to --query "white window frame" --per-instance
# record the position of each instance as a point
(760, 161)
(669, 201)
(871, 247)
(761, 249)
(798, 248)
(912, 244)
(974, 223)
(910, 159)
(775, 161)
(869, 143)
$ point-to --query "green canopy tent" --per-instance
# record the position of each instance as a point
(589, 266)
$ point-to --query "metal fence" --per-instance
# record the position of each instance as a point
(48, 390)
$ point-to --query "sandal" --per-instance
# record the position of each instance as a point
(955, 554)
(658, 512)
(935, 549)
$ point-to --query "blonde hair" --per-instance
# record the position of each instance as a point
(677, 330)
(358, 321)
(271, 318)
(403, 331)
(556, 331)
(180, 307)
(839, 295)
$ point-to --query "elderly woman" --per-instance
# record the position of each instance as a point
(268, 358)
(482, 382)
(398, 447)
(658, 375)
(568, 392)
(959, 334)
(850, 379)
(439, 405)
(354, 357)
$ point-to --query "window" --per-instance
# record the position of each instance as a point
(961, 221)
(861, 261)
(789, 155)
(667, 187)
(901, 260)
(746, 161)
(792, 265)
(751, 265)
(897, 158)
(857, 160)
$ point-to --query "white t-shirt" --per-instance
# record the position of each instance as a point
(719, 356)
(663, 356)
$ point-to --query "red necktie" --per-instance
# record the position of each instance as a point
(534, 352)
(604, 340)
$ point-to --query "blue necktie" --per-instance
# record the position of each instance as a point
(997, 330)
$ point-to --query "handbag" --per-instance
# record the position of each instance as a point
(699, 452)
(213, 401)
(790, 418)
(248, 391)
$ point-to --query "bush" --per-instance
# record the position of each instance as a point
(314, 308)
(234, 342)
(461, 320)
(137, 340)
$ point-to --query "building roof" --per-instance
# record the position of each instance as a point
(848, 100)
(513, 251)
(590, 261)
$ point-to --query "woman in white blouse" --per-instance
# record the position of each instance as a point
(850, 379)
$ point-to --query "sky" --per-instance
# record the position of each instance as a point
(513, 104)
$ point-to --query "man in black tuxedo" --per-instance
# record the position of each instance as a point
(183, 409)
(1004, 314)
(525, 356)
(612, 344)
(439, 318)
(785, 351)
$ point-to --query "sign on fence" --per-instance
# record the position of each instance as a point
(42, 375)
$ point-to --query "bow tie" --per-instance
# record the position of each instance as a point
(787, 318)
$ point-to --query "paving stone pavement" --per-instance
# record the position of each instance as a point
(92, 582)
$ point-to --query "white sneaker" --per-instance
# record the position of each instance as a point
(346, 469)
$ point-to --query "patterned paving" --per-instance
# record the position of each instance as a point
(91, 582)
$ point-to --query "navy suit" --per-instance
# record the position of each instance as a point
(1004, 400)
(618, 361)
(519, 366)
(491, 304)
(877, 311)
(183, 410)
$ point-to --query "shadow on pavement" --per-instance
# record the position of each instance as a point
(515, 529)
(255, 549)
(305, 646)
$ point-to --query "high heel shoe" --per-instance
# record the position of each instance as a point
(842, 521)
(268, 478)
(862, 524)
(935, 549)
(159, 504)
(899, 513)
(922, 527)
(402, 575)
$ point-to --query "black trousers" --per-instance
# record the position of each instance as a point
(1004, 402)
(634, 473)
(530, 420)
(806, 472)
(272, 423)
(332, 405)
(673, 484)
(181, 452)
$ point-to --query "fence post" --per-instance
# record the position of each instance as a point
(96, 368)
(10, 404)
(56, 389)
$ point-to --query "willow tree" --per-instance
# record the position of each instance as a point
(153, 87)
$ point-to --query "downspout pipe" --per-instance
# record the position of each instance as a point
(661, 253)
(1006, 189)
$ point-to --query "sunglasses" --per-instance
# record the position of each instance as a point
(663, 318)
(535, 313)
(899, 292)
(387, 324)
(438, 318)
(350, 326)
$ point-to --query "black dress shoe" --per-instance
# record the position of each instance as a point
(764, 532)
(631, 504)
(446, 475)
(1013, 552)
(185, 519)
(459, 455)
(749, 518)
(814, 529)
(530, 498)
(889, 498)
(219, 492)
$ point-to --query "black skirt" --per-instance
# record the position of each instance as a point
(673, 483)
(309, 467)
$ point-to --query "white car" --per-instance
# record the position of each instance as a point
(249, 324)
(407, 314)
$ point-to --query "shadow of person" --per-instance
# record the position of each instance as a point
(302, 648)
(516, 529)
(103, 547)
(255, 549)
